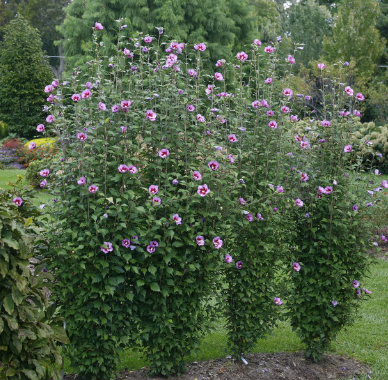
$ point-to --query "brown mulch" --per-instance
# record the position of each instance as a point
(275, 366)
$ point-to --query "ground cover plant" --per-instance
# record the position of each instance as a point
(181, 193)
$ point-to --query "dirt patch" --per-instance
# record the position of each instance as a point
(276, 366)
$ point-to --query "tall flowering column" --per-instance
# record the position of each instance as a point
(329, 260)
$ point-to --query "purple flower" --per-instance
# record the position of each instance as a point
(163, 153)
(228, 259)
(200, 240)
(249, 217)
(153, 189)
(18, 201)
(241, 201)
(213, 165)
(355, 208)
(299, 202)
(44, 172)
(355, 284)
(156, 200)
(81, 181)
(259, 216)
(126, 243)
(177, 219)
(175, 181)
(296, 267)
(150, 249)
(93, 189)
(203, 190)
(334, 303)
(107, 247)
(197, 175)
(154, 243)
(239, 264)
(277, 301)
(218, 243)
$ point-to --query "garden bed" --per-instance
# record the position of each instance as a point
(272, 366)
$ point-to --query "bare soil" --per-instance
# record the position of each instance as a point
(275, 366)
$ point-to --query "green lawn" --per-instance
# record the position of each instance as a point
(11, 175)
(366, 340)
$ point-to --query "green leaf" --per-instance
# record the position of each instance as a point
(155, 287)
(60, 334)
(8, 304)
(30, 374)
(11, 243)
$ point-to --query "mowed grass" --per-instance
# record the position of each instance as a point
(365, 341)
(11, 176)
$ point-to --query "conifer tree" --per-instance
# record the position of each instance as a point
(24, 73)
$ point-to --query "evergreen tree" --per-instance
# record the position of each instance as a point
(224, 24)
(23, 75)
(355, 36)
(44, 15)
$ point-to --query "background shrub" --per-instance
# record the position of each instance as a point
(33, 176)
(29, 325)
(23, 78)
(45, 148)
(3, 130)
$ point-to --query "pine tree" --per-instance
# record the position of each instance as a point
(23, 75)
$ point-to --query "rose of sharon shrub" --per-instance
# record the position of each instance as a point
(160, 206)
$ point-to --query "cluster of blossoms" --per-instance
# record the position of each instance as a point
(151, 247)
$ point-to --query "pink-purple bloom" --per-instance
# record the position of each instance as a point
(347, 148)
(200, 47)
(44, 172)
(200, 240)
(299, 202)
(197, 175)
(126, 243)
(218, 243)
(228, 259)
(107, 247)
(82, 136)
(156, 201)
(203, 190)
(81, 181)
(98, 26)
(177, 219)
(296, 267)
(31, 145)
(123, 168)
(93, 189)
(321, 66)
(213, 165)
(242, 56)
(277, 301)
(273, 124)
(18, 201)
(163, 153)
(153, 189)
(239, 264)
(151, 115)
